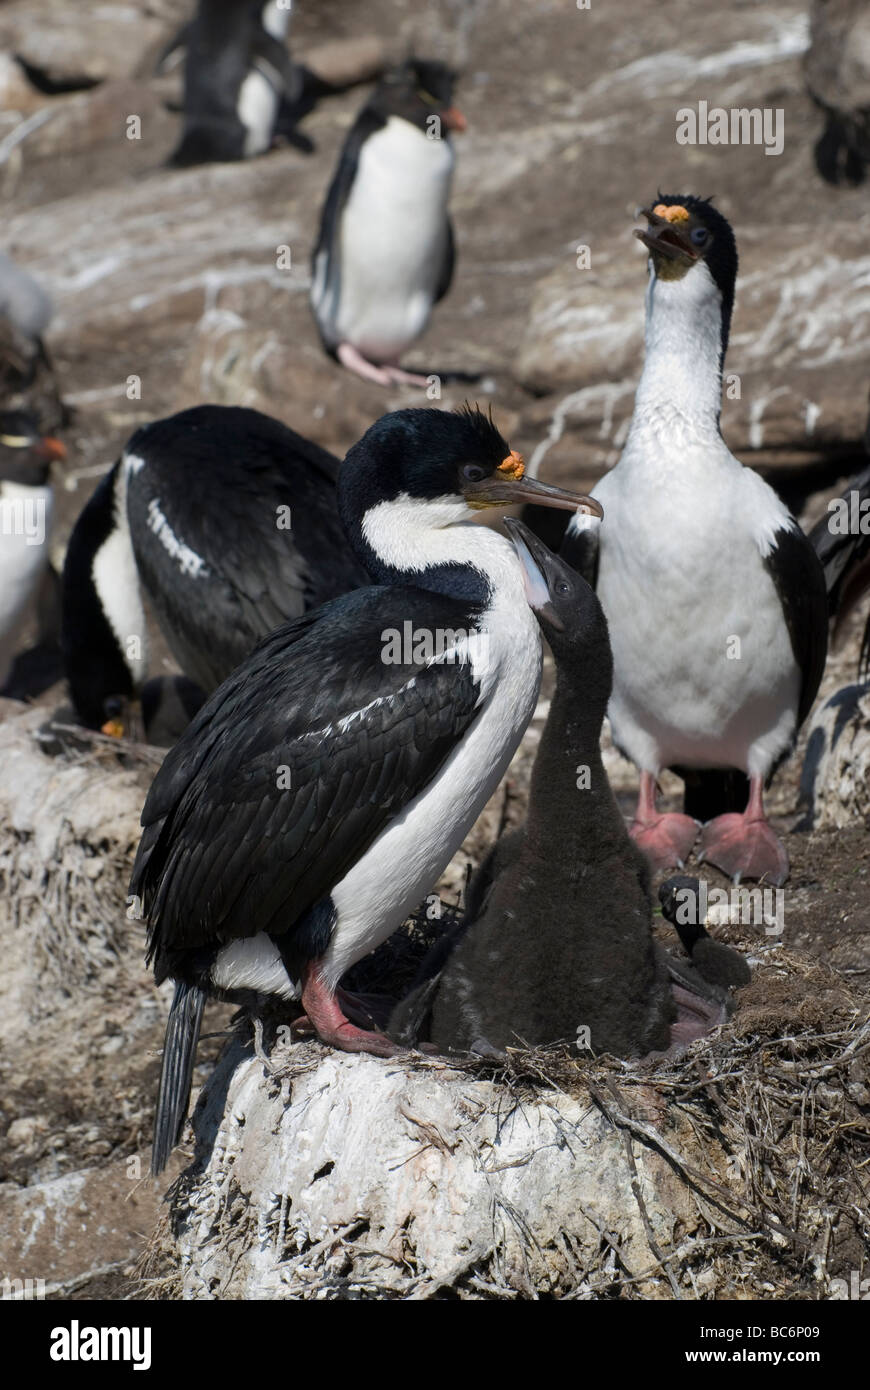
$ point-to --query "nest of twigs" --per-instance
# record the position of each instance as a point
(737, 1171)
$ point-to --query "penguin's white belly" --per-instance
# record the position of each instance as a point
(393, 238)
(257, 108)
(25, 530)
(704, 672)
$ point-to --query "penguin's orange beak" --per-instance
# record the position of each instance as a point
(453, 119)
(51, 449)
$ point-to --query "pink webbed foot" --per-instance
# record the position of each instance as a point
(667, 838)
(744, 848)
(666, 841)
(743, 845)
(332, 1027)
(403, 378)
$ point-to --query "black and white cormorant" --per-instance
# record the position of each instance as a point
(714, 596)
(228, 521)
(557, 942)
(26, 515)
(385, 253)
(318, 795)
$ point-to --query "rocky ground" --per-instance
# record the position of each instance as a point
(167, 293)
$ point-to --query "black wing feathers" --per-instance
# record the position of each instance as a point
(219, 476)
(799, 579)
(226, 850)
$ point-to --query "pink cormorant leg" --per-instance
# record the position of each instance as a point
(666, 838)
(743, 845)
(325, 1015)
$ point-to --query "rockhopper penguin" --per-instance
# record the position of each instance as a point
(317, 796)
(384, 255)
(560, 947)
(714, 596)
(237, 71)
(228, 521)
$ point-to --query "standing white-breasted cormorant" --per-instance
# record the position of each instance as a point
(317, 796)
(714, 596)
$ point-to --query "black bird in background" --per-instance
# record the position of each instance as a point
(227, 520)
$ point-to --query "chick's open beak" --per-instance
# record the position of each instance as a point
(508, 486)
(667, 234)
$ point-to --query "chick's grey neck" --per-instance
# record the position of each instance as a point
(571, 805)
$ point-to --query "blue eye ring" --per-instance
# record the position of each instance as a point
(699, 235)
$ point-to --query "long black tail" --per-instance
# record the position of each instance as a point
(179, 1053)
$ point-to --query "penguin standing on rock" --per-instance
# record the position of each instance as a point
(385, 252)
(237, 71)
(714, 596)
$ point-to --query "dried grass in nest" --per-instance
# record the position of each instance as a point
(783, 1095)
(772, 1166)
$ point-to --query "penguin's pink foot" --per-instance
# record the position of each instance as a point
(402, 378)
(351, 358)
(323, 1011)
(666, 840)
(744, 848)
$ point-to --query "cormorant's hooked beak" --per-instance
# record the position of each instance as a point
(533, 556)
(508, 486)
(667, 234)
